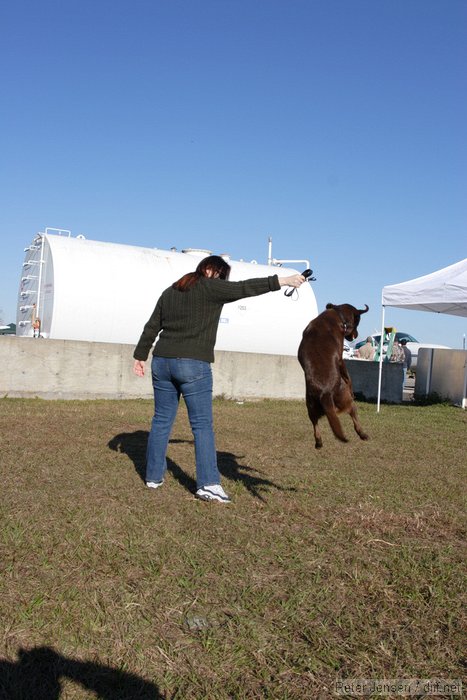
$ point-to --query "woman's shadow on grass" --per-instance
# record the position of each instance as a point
(38, 675)
(134, 445)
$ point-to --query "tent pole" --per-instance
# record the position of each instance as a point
(380, 373)
(464, 393)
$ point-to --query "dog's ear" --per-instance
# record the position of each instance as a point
(330, 306)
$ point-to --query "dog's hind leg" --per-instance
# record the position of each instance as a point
(329, 408)
(356, 423)
(314, 416)
(317, 433)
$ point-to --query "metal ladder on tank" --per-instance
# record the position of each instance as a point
(33, 309)
(31, 296)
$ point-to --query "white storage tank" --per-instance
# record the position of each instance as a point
(78, 289)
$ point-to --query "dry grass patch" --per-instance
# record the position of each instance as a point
(344, 562)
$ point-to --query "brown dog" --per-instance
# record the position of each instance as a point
(328, 385)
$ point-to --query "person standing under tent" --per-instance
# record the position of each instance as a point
(407, 358)
(186, 318)
(367, 351)
(397, 354)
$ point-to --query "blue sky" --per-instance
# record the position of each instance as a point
(337, 127)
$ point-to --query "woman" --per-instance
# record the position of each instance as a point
(187, 316)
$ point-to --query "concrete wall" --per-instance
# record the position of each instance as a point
(442, 372)
(364, 375)
(68, 369)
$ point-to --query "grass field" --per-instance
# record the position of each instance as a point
(347, 562)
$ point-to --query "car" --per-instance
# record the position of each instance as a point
(412, 343)
(376, 338)
(348, 351)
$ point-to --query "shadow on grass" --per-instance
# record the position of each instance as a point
(134, 445)
(232, 470)
(38, 672)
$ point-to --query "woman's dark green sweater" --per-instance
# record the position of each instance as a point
(187, 321)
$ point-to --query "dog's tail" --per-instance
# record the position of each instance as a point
(327, 402)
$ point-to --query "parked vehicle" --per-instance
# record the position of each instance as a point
(348, 351)
(412, 343)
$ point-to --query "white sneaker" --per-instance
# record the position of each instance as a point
(213, 492)
(154, 484)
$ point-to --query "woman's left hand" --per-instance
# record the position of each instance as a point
(138, 368)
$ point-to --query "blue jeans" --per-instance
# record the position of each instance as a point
(172, 377)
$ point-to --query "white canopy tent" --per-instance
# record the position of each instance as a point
(442, 292)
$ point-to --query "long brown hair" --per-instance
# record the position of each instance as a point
(214, 263)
